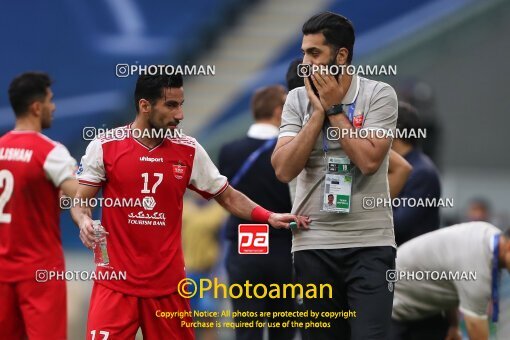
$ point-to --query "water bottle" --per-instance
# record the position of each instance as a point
(100, 251)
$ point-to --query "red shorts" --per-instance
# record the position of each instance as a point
(34, 309)
(113, 315)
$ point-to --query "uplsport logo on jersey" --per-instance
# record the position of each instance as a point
(253, 239)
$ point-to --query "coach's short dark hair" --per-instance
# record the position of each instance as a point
(27, 88)
(408, 119)
(265, 100)
(292, 78)
(337, 30)
(151, 87)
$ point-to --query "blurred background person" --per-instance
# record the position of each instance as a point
(202, 249)
(247, 165)
(476, 253)
(478, 209)
(420, 95)
(412, 221)
(33, 171)
(293, 81)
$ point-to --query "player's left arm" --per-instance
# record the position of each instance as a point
(69, 187)
(368, 153)
(238, 204)
(474, 296)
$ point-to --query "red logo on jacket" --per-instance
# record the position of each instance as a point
(357, 121)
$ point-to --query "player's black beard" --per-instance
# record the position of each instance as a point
(154, 126)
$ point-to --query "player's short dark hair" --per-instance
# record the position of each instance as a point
(265, 100)
(151, 87)
(292, 78)
(337, 30)
(408, 119)
(27, 88)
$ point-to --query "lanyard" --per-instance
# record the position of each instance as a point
(350, 115)
(495, 279)
(251, 159)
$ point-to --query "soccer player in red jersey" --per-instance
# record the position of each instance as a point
(33, 170)
(145, 242)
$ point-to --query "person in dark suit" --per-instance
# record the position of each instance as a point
(423, 182)
(259, 182)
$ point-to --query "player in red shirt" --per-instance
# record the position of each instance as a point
(145, 242)
(33, 169)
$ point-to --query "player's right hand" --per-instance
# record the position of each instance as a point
(281, 221)
(87, 232)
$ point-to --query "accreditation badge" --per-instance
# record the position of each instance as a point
(338, 185)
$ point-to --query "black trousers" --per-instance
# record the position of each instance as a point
(431, 328)
(358, 278)
(275, 267)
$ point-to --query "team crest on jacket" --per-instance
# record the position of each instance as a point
(179, 170)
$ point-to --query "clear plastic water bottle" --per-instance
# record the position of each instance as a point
(100, 250)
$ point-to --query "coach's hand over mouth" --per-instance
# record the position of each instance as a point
(331, 91)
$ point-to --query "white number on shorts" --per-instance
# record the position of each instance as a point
(145, 176)
(104, 333)
(7, 181)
